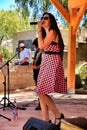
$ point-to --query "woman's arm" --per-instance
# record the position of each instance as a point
(47, 40)
(50, 36)
(34, 66)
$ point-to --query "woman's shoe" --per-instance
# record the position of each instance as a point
(50, 121)
(38, 107)
(59, 118)
(62, 116)
(57, 126)
(58, 121)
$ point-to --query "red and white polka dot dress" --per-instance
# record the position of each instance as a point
(51, 74)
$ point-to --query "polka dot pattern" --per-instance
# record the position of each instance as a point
(51, 74)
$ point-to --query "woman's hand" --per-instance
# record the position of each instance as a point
(31, 65)
(34, 66)
(39, 25)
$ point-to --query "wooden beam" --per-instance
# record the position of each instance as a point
(71, 60)
(73, 18)
(78, 18)
(71, 53)
(73, 15)
(76, 3)
(61, 9)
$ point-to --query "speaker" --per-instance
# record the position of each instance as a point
(37, 124)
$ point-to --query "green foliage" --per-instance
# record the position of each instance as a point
(83, 72)
(78, 83)
(5, 53)
(64, 3)
(35, 8)
(85, 86)
(11, 22)
(85, 23)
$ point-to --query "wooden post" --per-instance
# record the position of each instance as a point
(71, 61)
(73, 18)
(71, 53)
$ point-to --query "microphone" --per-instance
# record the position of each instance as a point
(33, 23)
(19, 51)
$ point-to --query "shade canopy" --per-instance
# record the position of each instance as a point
(73, 17)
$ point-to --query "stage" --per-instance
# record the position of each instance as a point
(71, 105)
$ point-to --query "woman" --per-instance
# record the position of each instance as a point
(51, 74)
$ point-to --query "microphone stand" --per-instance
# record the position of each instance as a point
(10, 104)
(5, 117)
(4, 98)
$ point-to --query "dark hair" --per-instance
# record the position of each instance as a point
(54, 26)
(35, 42)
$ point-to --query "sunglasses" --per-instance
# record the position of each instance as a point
(44, 18)
(21, 47)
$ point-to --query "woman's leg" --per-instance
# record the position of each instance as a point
(47, 103)
(44, 107)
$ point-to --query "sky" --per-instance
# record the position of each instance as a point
(6, 4)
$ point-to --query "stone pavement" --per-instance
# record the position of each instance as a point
(74, 105)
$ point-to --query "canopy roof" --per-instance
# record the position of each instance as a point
(73, 18)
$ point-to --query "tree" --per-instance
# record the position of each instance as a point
(34, 9)
(11, 22)
(6, 53)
